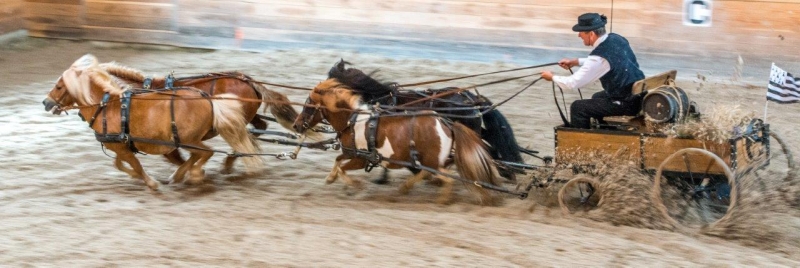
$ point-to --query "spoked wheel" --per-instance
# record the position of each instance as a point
(581, 193)
(694, 197)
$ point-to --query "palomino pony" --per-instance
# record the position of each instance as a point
(127, 123)
(427, 136)
(460, 107)
(236, 83)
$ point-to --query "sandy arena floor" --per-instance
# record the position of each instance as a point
(63, 204)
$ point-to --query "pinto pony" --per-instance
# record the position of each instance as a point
(236, 83)
(155, 121)
(396, 138)
(460, 107)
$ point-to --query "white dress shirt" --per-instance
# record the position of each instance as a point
(592, 68)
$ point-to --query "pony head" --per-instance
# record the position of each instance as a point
(329, 96)
(74, 87)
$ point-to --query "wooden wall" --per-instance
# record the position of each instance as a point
(762, 28)
(11, 16)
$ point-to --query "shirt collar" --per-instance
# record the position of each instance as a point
(600, 40)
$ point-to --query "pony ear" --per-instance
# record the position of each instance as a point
(84, 63)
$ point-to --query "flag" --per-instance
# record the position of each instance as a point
(783, 87)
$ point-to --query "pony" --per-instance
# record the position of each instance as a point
(460, 107)
(429, 137)
(236, 83)
(126, 122)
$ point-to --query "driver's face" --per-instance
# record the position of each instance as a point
(587, 37)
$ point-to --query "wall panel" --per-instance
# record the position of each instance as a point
(11, 16)
(757, 28)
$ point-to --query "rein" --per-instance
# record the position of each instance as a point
(424, 82)
(476, 75)
(458, 90)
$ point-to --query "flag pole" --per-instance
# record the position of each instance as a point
(766, 102)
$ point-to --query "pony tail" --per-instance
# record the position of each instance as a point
(229, 121)
(501, 137)
(472, 160)
(280, 106)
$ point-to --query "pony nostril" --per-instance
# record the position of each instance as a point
(47, 105)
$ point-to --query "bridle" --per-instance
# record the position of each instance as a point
(59, 106)
(306, 119)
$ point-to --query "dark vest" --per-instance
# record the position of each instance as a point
(624, 68)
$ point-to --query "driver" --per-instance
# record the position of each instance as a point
(612, 61)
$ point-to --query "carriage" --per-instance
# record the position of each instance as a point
(701, 174)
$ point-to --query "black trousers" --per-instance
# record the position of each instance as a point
(601, 105)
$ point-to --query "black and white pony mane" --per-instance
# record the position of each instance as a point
(361, 83)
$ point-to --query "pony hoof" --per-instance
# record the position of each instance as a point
(173, 180)
(153, 185)
(435, 182)
(381, 181)
(195, 182)
(330, 180)
(403, 189)
(358, 185)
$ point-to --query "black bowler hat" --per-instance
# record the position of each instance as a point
(589, 21)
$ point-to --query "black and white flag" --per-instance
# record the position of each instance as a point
(783, 87)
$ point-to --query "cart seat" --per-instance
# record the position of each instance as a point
(640, 86)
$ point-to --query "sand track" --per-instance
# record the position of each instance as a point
(62, 203)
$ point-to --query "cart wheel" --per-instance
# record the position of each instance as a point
(581, 193)
(696, 198)
(790, 181)
(785, 150)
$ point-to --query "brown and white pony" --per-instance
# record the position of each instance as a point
(243, 86)
(84, 85)
(432, 137)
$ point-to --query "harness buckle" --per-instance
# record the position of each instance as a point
(284, 155)
(334, 146)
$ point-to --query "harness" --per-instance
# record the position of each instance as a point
(370, 133)
(124, 135)
(371, 154)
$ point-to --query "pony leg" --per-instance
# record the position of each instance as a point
(334, 174)
(227, 165)
(180, 173)
(339, 170)
(129, 157)
(409, 183)
(447, 187)
(197, 173)
(353, 164)
(174, 157)
(258, 124)
(384, 178)
(121, 166)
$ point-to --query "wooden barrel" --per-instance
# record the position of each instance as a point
(666, 104)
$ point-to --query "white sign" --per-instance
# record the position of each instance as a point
(697, 12)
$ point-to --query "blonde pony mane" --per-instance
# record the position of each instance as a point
(123, 72)
(86, 72)
(341, 91)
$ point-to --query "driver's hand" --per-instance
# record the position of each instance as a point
(547, 75)
(568, 63)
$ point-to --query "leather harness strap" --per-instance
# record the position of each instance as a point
(124, 136)
(175, 137)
